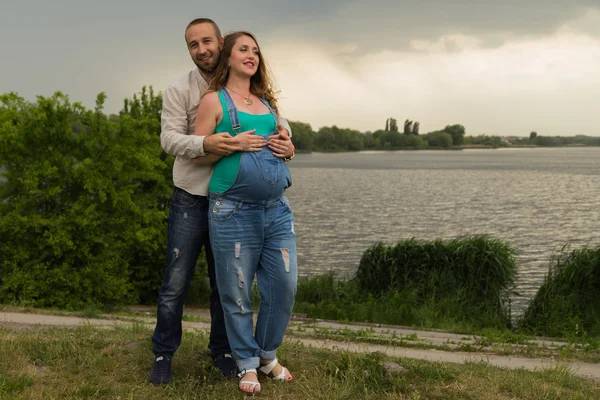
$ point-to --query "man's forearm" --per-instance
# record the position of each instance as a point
(179, 144)
(207, 159)
(174, 126)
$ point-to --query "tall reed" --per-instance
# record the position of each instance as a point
(568, 302)
(437, 283)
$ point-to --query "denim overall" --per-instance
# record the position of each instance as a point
(252, 233)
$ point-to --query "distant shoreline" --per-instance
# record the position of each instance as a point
(454, 148)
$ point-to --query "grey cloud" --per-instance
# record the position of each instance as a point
(116, 46)
(388, 24)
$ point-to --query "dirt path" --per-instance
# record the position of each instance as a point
(582, 369)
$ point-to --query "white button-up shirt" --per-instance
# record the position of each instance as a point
(178, 119)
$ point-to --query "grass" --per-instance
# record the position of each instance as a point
(89, 362)
(91, 312)
(568, 302)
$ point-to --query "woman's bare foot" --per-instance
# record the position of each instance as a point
(249, 382)
(277, 371)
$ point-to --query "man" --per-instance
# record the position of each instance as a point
(188, 216)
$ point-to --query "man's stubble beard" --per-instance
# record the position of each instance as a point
(209, 73)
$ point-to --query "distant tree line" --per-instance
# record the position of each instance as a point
(336, 139)
(534, 140)
(557, 141)
(330, 139)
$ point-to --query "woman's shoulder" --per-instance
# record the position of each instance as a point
(210, 101)
(210, 98)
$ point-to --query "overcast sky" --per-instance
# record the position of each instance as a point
(498, 67)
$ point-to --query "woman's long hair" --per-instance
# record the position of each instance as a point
(261, 83)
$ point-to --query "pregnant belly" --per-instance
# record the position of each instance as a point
(261, 176)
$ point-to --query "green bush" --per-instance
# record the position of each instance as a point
(83, 206)
(438, 283)
(439, 139)
(568, 302)
(413, 142)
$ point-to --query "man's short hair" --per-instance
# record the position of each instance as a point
(199, 21)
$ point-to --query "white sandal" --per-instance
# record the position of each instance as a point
(253, 385)
(268, 369)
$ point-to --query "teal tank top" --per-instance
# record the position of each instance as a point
(226, 169)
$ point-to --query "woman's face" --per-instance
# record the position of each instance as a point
(244, 57)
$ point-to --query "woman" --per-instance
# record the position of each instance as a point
(250, 220)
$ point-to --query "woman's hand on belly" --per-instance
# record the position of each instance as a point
(249, 141)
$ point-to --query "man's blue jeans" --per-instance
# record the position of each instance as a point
(188, 233)
(248, 238)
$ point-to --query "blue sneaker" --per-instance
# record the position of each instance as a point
(226, 364)
(161, 370)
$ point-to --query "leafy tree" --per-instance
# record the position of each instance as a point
(415, 129)
(369, 141)
(339, 139)
(588, 140)
(548, 141)
(325, 139)
(391, 125)
(146, 110)
(383, 137)
(532, 136)
(148, 106)
(302, 136)
(457, 132)
(439, 139)
(408, 127)
(413, 142)
(83, 203)
(492, 141)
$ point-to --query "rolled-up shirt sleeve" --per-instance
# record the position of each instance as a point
(283, 122)
(174, 136)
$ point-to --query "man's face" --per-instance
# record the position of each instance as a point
(204, 46)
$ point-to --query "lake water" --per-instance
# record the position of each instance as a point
(536, 199)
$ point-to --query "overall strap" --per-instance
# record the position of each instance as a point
(233, 114)
(275, 117)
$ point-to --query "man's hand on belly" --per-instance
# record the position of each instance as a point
(281, 145)
(223, 144)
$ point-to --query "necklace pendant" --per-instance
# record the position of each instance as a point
(248, 101)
